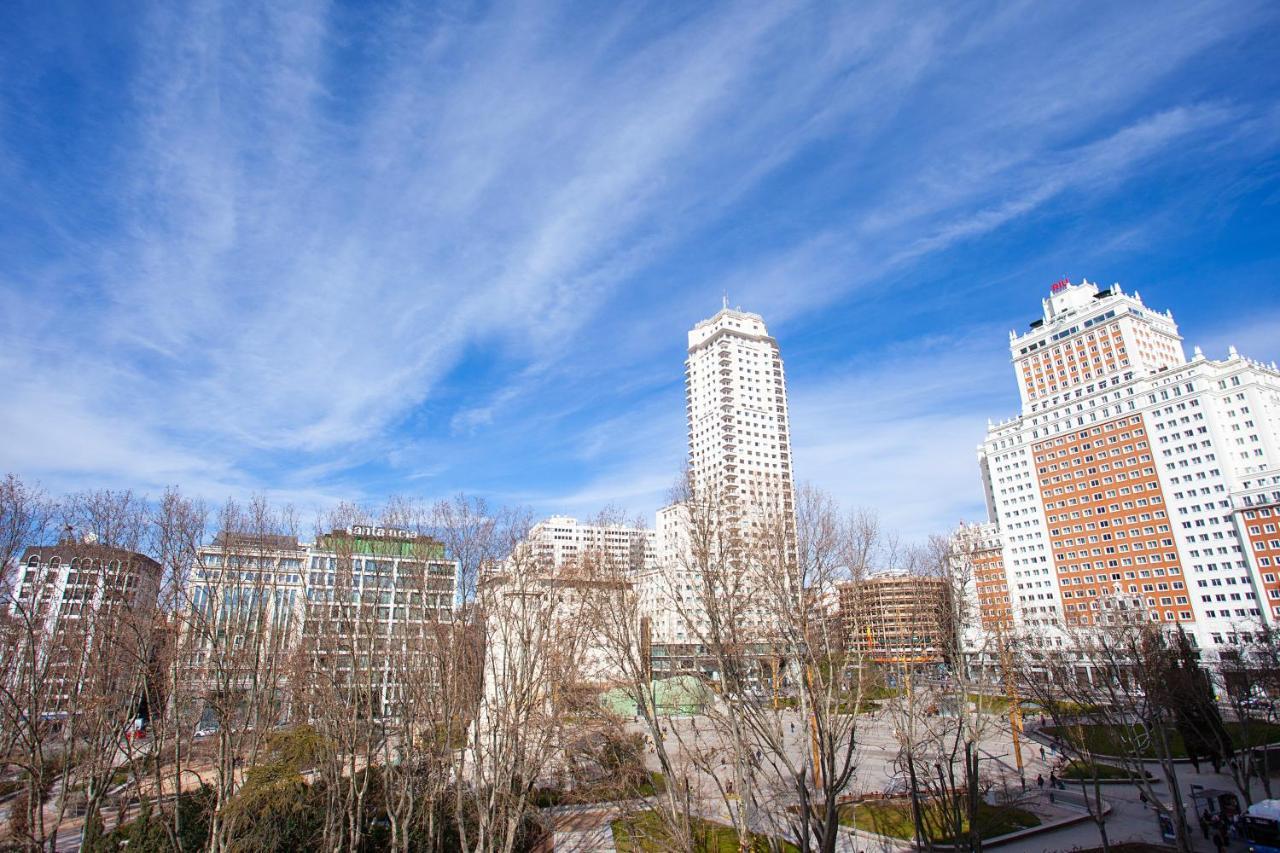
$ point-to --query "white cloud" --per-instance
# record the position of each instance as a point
(1255, 335)
(899, 435)
(309, 247)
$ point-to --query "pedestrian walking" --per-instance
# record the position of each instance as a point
(1142, 795)
(1053, 780)
(1042, 753)
(1040, 781)
(1220, 840)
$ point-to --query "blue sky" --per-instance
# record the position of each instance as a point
(337, 251)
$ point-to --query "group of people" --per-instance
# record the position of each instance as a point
(1220, 829)
(1054, 781)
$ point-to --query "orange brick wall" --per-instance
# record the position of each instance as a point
(1108, 522)
(1262, 534)
(1089, 355)
(993, 590)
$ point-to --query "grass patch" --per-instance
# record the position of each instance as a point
(1104, 739)
(644, 832)
(1077, 771)
(1060, 707)
(893, 818)
(989, 704)
(603, 792)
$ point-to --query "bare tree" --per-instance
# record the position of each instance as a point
(430, 666)
(26, 514)
(177, 531)
(617, 618)
(1049, 677)
(805, 568)
(717, 593)
(1114, 674)
(77, 621)
(535, 640)
(1249, 677)
(756, 584)
(240, 624)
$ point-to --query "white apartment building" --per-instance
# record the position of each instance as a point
(537, 600)
(547, 610)
(543, 566)
(739, 455)
(561, 540)
(1133, 476)
(79, 610)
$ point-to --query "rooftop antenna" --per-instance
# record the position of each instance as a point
(724, 300)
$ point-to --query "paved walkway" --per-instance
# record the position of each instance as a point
(586, 841)
(1130, 818)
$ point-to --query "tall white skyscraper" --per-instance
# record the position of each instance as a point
(736, 400)
(739, 457)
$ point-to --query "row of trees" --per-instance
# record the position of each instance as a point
(432, 738)
(216, 662)
(350, 709)
(1138, 695)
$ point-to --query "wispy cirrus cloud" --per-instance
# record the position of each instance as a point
(339, 250)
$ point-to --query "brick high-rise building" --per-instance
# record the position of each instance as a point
(978, 559)
(1133, 477)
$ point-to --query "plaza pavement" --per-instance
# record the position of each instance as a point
(1129, 819)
